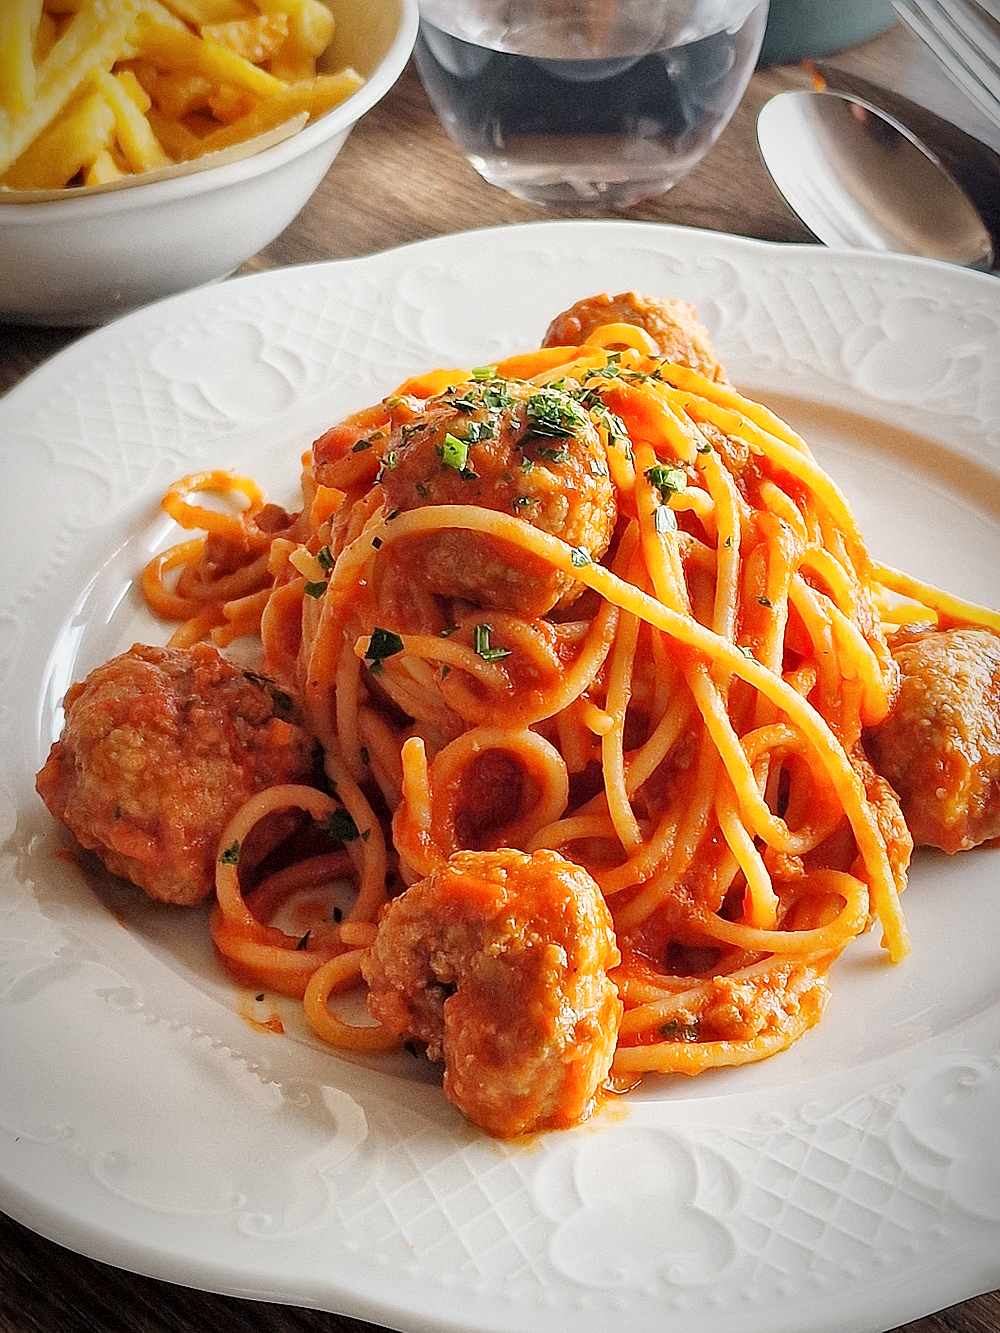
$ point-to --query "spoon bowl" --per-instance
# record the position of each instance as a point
(859, 179)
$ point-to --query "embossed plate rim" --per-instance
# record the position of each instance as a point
(308, 330)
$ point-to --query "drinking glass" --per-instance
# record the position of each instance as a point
(590, 102)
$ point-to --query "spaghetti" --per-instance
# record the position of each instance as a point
(593, 601)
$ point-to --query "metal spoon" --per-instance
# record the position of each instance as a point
(860, 179)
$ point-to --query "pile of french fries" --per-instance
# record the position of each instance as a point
(97, 91)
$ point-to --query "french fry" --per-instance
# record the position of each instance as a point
(176, 96)
(310, 21)
(199, 12)
(257, 39)
(94, 91)
(172, 49)
(93, 38)
(103, 170)
(139, 145)
(177, 136)
(45, 37)
(66, 147)
(315, 96)
(19, 20)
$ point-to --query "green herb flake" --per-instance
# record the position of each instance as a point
(454, 452)
(367, 441)
(677, 1030)
(230, 855)
(325, 557)
(580, 556)
(479, 430)
(481, 645)
(664, 519)
(382, 644)
(553, 413)
(340, 826)
(282, 701)
(315, 589)
(667, 480)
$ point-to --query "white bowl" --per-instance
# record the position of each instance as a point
(94, 255)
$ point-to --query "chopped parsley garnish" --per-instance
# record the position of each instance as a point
(667, 480)
(382, 644)
(677, 1030)
(481, 644)
(554, 414)
(479, 430)
(554, 455)
(580, 556)
(230, 855)
(614, 427)
(454, 452)
(664, 519)
(367, 441)
(340, 826)
(315, 589)
(325, 557)
(281, 700)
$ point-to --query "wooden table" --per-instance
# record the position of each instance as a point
(399, 179)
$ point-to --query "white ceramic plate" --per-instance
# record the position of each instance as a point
(844, 1187)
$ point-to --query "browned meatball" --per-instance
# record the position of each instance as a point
(159, 749)
(499, 961)
(940, 745)
(509, 446)
(672, 325)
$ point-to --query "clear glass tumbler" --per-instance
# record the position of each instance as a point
(587, 102)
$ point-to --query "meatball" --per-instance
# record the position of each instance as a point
(516, 448)
(498, 961)
(939, 747)
(671, 324)
(159, 748)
